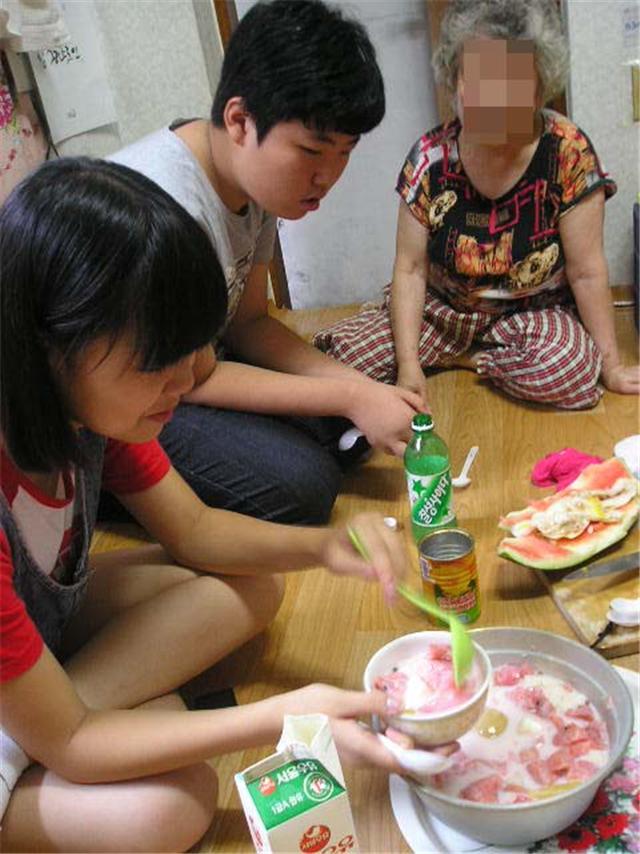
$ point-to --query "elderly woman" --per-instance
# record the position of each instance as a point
(499, 264)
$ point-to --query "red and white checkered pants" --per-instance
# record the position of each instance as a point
(543, 355)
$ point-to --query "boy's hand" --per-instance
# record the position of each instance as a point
(411, 377)
(384, 414)
(387, 559)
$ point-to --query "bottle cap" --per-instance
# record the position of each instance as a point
(422, 422)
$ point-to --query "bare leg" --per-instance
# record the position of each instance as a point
(233, 668)
(152, 626)
(166, 812)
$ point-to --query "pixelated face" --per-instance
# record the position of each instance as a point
(498, 90)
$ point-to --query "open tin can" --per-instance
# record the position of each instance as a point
(449, 572)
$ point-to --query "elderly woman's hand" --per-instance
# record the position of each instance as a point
(623, 379)
(411, 376)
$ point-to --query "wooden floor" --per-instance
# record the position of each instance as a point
(327, 628)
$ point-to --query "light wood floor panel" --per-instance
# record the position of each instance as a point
(328, 628)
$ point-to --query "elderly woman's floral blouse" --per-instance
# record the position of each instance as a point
(500, 255)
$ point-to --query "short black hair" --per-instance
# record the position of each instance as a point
(301, 60)
(90, 249)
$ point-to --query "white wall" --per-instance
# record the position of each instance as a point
(599, 101)
(344, 252)
(159, 71)
(156, 67)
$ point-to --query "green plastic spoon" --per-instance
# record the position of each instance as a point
(461, 647)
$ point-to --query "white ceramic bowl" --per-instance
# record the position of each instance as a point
(519, 824)
(439, 727)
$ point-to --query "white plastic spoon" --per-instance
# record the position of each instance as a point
(624, 612)
(418, 762)
(349, 438)
(463, 478)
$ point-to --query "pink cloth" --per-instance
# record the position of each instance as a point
(561, 468)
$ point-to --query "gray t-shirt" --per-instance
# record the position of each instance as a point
(240, 240)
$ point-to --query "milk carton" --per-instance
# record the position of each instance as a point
(295, 800)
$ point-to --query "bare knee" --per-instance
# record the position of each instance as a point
(272, 594)
(262, 595)
(176, 816)
(167, 812)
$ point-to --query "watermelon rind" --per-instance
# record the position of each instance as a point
(563, 553)
(613, 532)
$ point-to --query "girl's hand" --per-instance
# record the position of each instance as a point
(624, 380)
(357, 745)
(387, 559)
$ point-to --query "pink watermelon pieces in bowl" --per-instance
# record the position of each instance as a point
(564, 529)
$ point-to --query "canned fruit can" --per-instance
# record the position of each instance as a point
(449, 572)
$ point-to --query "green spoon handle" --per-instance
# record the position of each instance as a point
(357, 543)
(414, 598)
(461, 662)
(423, 603)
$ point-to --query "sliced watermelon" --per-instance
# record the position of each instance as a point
(534, 549)
(601, 477)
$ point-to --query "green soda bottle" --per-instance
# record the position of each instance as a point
(428, 471)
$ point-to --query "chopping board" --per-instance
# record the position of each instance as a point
(584, 604)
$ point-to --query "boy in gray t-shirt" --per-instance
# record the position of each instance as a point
(242, 240)
(259, 432)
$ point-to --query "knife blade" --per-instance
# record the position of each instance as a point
(604, 567)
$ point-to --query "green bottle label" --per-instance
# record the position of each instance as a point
(292, 789)
(430, 499)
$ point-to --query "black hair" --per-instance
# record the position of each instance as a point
(300, 60)
(90, 249)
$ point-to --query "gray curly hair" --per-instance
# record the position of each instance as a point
(537, 20)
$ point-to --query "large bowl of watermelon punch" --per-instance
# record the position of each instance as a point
(557, 721)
